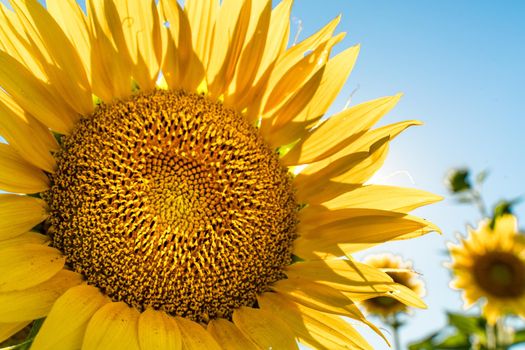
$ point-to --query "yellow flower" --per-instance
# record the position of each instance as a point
(402, 273)
(490, 265)
(164, 212)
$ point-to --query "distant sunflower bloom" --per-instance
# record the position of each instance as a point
(160, 213)
(402, 273)
(489, 265)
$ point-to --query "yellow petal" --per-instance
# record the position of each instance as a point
(278, 31)
(297, 52)
(24, 238)
(33, 96)
(317, 296)
(64, 68)
(384, 198)
(322, 191)
(356, 280)
(293, 106)
(318, 330)
(323, 298)
(289, 133)
(492, 313)
(336, 175)
(181, 66)
(308, 182)
(229, 38)
(366, 142)
(141, 29)
(344, 275)
(13, 40)
(335, 75)
(375, 228)
(36, 302)
(229, 336)
(113, 326)
(339, 130)
(320, 216)
(72, 20)
(157, 330)
(110, 60)
(9, 329)
(19, 214)
(18, 175)
(194, 336)
(201, 16)
(24, 266)
(283, 104)
(264, 329)
(67, 321)
(506, 225)
(252, 51)
(29, 137)
(287, 60)
(364, 170)
(406, 296)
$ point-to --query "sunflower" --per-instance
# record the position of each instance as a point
(402, 273)
(489, 265)
(155, 199)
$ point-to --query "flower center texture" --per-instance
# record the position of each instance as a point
(172, 201)
(500, 274)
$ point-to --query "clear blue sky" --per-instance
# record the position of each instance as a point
(460, 65)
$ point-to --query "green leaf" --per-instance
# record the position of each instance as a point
(464, 200)
(455, 341)
(482, 176)
(467, 324)
(22, 346)
(457, 180)
(425, 344)
(26, 344)
(458, 341)
(519, 336)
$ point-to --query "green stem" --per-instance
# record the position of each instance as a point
(495, 336)
(32, 334)
(395, 324)
(502, 342)
(478, 200)
(491, 337)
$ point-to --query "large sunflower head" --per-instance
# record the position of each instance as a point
(489, 265)
(151, 159)
(401, 272)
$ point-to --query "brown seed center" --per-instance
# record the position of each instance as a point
(172, 201)
(500, 274)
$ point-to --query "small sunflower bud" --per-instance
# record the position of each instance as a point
(457, 180)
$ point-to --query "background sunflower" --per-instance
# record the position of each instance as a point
(489, 267)
(403, 273)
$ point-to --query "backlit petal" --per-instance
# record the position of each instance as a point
(27, 265)
(36, 302)
(157, 330)
(113, 326)
(18, 175)
(264, 329)
(67, 321)
(18, 214)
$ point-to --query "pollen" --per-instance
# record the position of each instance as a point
(171, 200)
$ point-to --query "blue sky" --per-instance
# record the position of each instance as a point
(460, 65)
